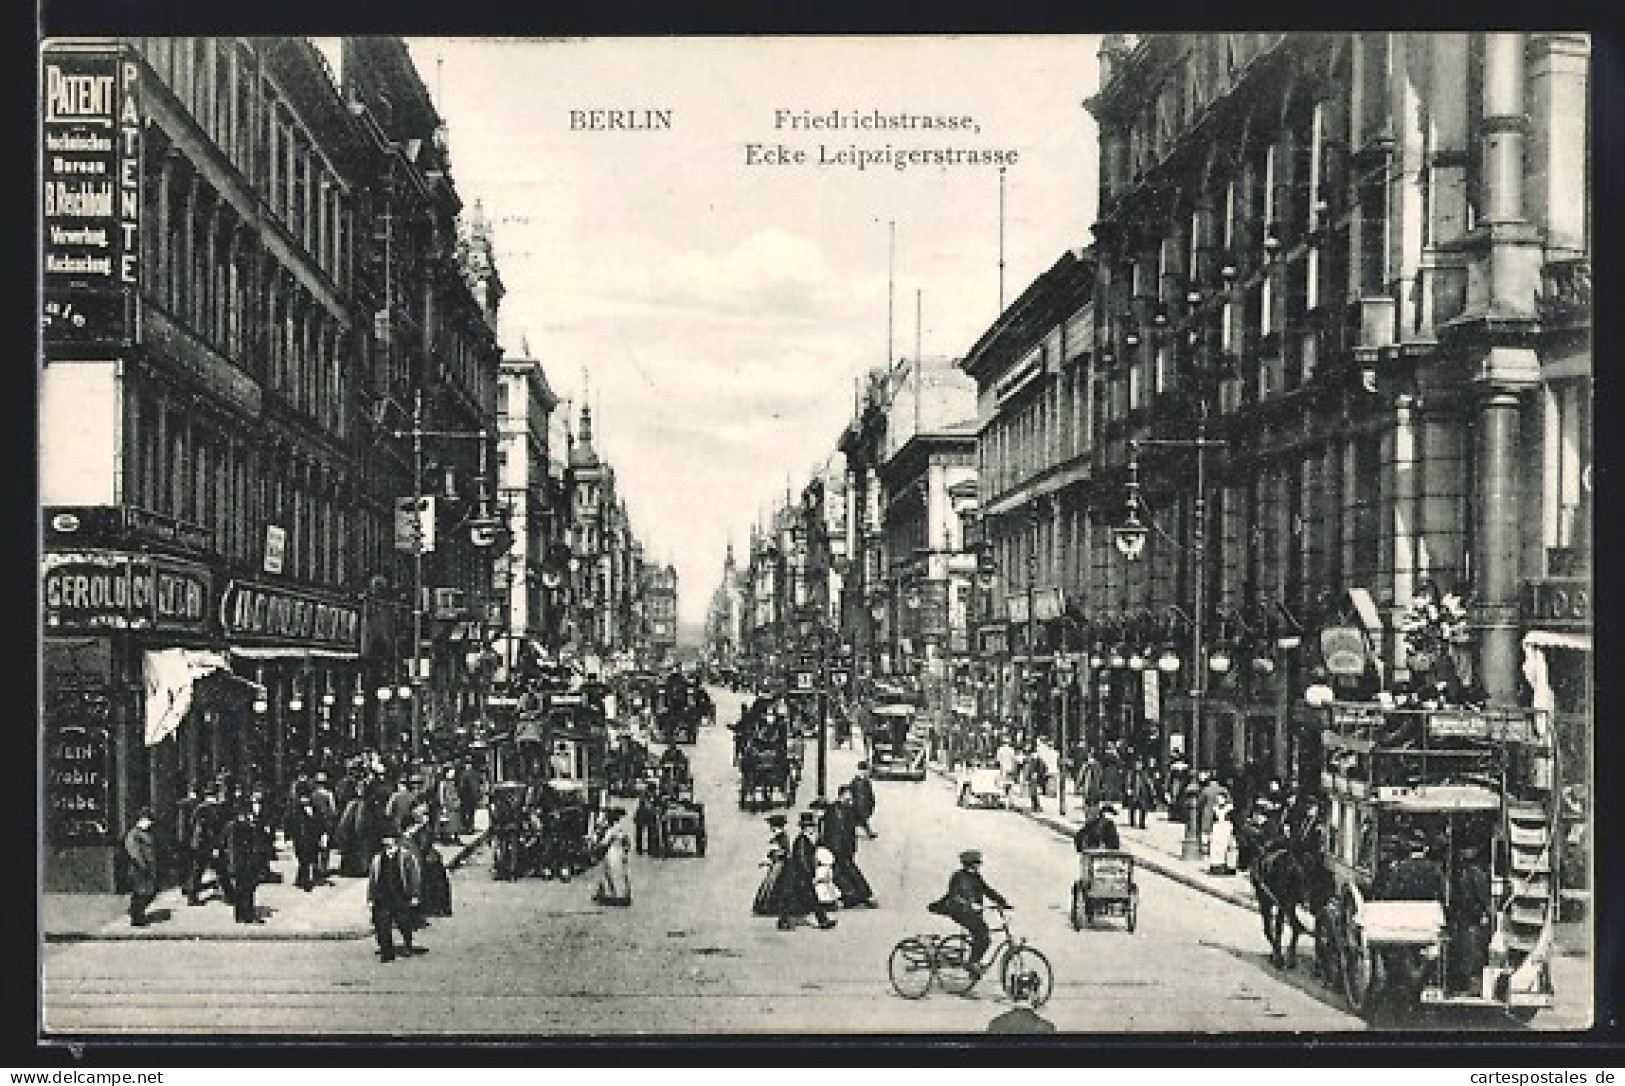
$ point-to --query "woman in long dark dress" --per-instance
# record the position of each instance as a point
(770, 894)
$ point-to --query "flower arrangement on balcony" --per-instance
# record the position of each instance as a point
(1433, 630)
(1432, 626)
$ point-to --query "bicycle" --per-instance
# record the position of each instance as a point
(918, 961)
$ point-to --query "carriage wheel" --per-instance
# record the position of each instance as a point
(910, 968)
(1328, 963)
(1359, 975)
(1133, 913)
(1077, 906)
(953, 951)
(1029, 960)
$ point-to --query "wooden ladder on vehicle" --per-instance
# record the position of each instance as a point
(1529, 907)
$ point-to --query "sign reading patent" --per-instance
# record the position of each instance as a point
(92, 193)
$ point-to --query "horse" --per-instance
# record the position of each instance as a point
(1289, 873)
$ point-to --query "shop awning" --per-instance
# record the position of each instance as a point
(277, 652)
(1553, 639)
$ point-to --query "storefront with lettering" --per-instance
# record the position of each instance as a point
(102, 610)
(304, 649)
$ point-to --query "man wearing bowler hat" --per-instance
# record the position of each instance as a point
(800, 898)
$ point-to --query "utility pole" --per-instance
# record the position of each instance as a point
(417, 574)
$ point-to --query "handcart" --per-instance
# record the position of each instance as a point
(1105, 887)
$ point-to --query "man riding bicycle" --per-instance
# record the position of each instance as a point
(963, 904)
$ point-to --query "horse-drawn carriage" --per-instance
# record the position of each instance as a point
(678, 816)
(547, 823)
(769, 766)
(679, 710)
(1441, 880)
(895, 751)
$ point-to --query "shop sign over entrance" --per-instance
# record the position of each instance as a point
(87, 590)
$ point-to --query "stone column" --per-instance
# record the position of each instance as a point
(1559, 143)
(1408, 98)
(1495, 575)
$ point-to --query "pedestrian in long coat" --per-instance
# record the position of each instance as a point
(801, 898)
(863, 799)
(769, 900)
(468, 794)
(304, 830)
(399, 806)
(839, 833)
(450, 805)
(209, 820)
(1142, 793)
(245, 843)
(142, 852)
(1207, 799)
(325, 804)
(394, 891)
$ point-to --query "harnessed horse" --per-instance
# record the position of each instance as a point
(1289, 873)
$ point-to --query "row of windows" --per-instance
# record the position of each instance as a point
(214, 274)
(190, 469)
(220, 84)
(1314, 523)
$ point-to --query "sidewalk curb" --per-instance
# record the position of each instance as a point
(1142, 856)
(120, 934)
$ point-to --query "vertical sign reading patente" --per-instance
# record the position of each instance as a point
(92, 194)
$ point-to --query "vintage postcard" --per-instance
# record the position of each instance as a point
(816, 535)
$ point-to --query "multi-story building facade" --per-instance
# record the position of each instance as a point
(1364, 259)
(1034, 466)
(226, 317)
(913, 439)
(604, 609)
(659, 599)
(530, 574)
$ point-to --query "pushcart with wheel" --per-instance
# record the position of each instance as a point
(1105, 887)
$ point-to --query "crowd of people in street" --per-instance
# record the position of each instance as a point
(371, 816)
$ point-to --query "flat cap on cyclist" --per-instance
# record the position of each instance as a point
(970, 856)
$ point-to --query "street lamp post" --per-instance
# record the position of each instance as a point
(482, 528)
(1130, 540)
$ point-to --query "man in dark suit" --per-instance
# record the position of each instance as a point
(963, 903)
(304, 829)
(209, 819)
(244, 847)
(839, 834)
(1100, 831)
(325, 804)
(394, 891)
(863, 799)
(800, 898)
(142, 853)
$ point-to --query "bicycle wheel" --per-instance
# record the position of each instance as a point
(910, 968)
(1029, 963)
(953, 971)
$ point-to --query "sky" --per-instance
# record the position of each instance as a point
(716, 310)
